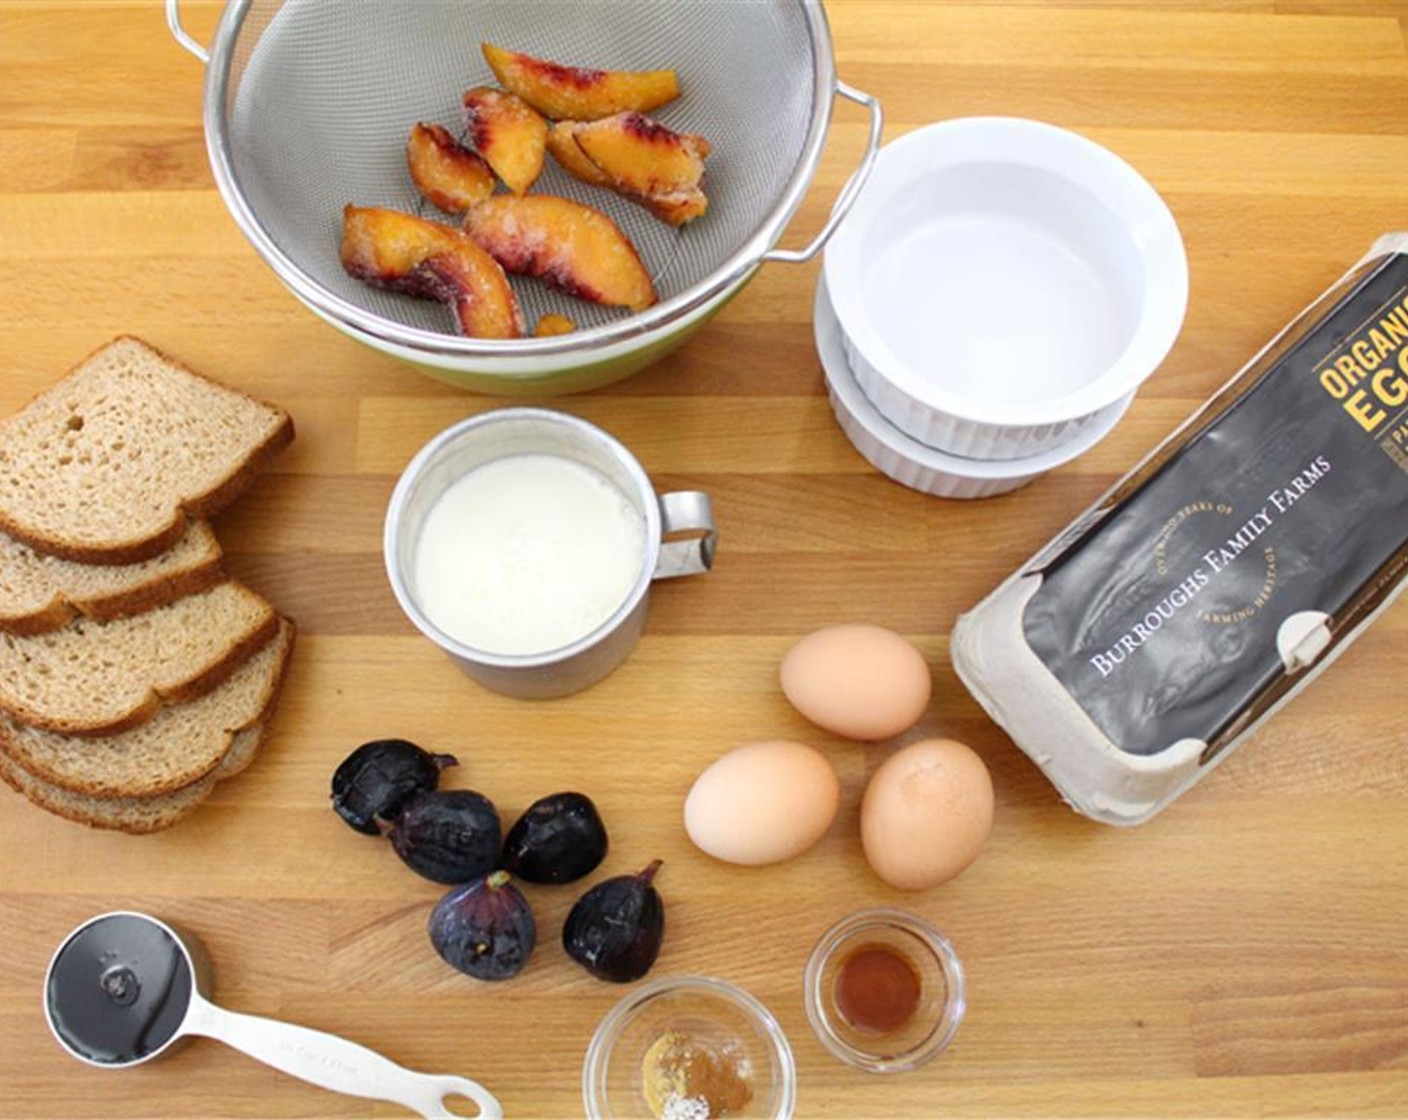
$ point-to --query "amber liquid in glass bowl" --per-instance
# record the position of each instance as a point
(877, 989)
(884, 990)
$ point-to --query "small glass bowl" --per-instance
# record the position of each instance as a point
(941, 991)
(706, 1009)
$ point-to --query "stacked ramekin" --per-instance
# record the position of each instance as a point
(993, 302)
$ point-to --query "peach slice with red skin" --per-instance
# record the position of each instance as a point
(642, 155)
(647, 161)
(575, 93)
(403, 253)
(637, 158)
(572, 247)
(447, 173)
(508, 134)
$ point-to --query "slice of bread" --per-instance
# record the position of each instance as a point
(106, 466)
(99, 678)
(179, 745)
(134, 814)
(39, 593)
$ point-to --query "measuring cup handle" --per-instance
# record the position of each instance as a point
(335, 1063)
(687, 515)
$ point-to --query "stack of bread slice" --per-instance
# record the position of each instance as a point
(134, 674)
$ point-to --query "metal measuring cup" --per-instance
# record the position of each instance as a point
(125, 988)
(679, 540)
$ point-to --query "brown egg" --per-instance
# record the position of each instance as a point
(762, 803)
(926, 813)
(858, 680)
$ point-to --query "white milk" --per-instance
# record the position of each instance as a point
(527, 553)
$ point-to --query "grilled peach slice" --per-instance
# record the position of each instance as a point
(645, 160)
(447, 173)
(575, 94)
(403, 253)
(508, 134)
(573, 247)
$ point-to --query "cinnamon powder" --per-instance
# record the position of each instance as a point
(689, 1079)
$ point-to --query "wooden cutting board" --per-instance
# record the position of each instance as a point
(1246, 952)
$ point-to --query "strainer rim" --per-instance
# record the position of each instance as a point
(725, 276)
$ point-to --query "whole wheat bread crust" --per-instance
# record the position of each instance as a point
(199, 505)
(138, 599)
(216, 674)
(158, 593)
(104, 813)
(34, 767)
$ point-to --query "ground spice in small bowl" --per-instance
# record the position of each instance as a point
(687, 1078)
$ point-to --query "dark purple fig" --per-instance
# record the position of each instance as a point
(558, 839)
(484, 928)
(615, 929)
(379, 777)
(448, 835)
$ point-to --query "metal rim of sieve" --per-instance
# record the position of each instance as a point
(756, 248)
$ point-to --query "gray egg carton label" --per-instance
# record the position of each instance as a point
(1162, 621)
(1215, 578)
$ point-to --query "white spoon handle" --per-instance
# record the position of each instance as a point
(334, 1063)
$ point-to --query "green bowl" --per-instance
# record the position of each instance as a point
(548, 375)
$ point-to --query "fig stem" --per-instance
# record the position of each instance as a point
(649, 873)
(444, 761)
(497, 879)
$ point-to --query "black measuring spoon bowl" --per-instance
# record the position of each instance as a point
(125, 988)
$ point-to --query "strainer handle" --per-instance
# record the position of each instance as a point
(173, 21)
(852, 188)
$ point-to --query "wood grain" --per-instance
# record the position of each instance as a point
(1244, 954)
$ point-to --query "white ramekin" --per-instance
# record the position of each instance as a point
(916, 465)
(1001, 282)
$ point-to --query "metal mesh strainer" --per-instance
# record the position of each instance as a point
(309, 103)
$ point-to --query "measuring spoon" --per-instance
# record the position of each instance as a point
(124, 987)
